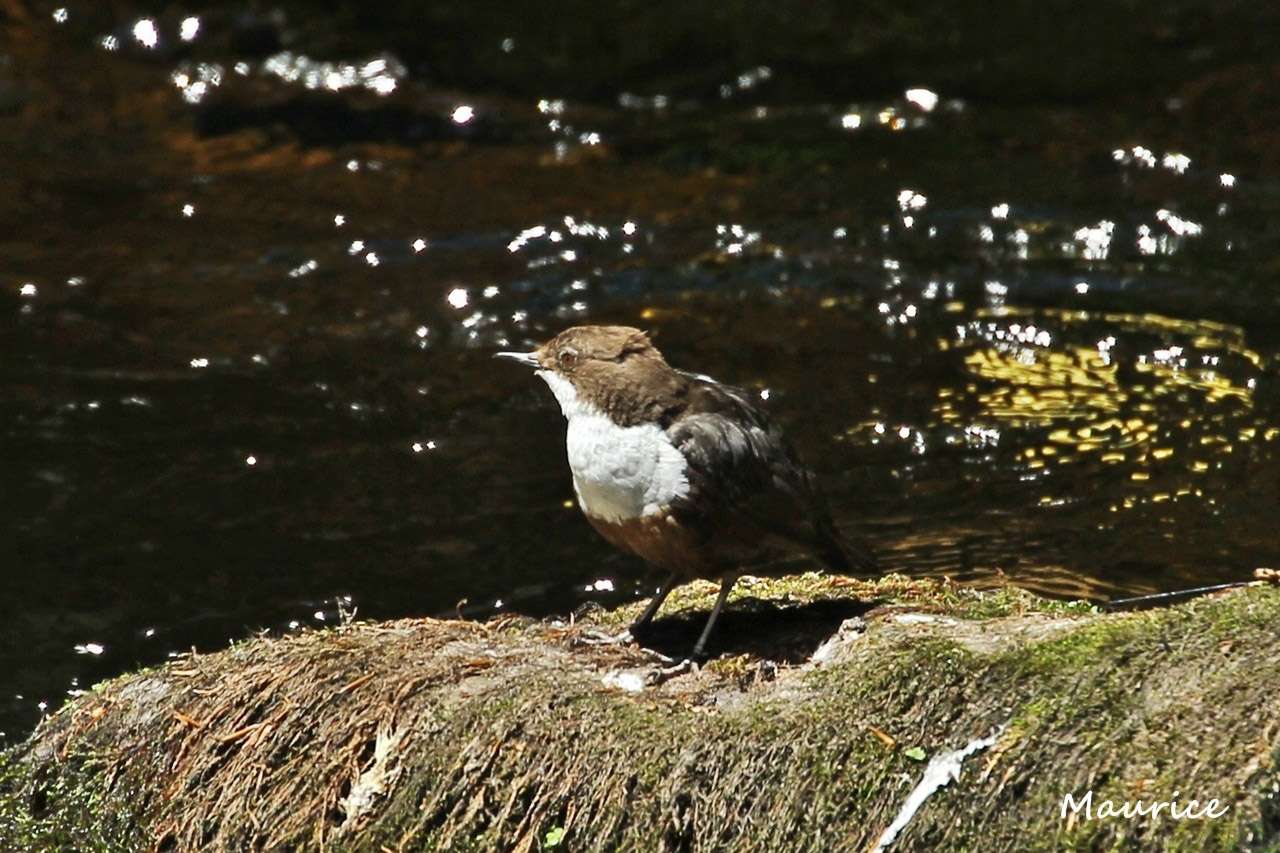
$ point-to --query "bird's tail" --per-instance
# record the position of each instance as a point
(851, 557)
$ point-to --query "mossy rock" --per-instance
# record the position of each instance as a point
(828, 703)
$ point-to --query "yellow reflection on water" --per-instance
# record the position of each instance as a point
(1037, 390)
(1126, 410)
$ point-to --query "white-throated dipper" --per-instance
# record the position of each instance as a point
(681, 470)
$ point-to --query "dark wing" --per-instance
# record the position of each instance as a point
(746, 484)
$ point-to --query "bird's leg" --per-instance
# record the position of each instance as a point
(725, 586)
(594, 638)
(652, 610)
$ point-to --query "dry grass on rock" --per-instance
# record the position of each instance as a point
(513, 734)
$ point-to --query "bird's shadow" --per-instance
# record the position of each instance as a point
(771, 630)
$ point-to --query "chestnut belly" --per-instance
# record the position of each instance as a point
(658, 538)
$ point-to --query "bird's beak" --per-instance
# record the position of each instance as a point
(528, 359)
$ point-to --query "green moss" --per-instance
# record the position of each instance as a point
(1080, 648)
(67, 810)
(930, 595)
(1148, 703)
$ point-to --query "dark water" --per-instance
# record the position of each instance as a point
(1021, 318)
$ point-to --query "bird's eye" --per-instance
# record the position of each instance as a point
(568, 357)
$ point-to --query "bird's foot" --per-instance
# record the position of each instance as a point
(661, 675)
(599, 638)
(660, 657)
(639, 679)
(670, 668)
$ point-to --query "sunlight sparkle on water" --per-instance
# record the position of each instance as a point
(746, 80)
(923, 98)
(1144, 156)
(458, 297)
(629, 101)
(146, 33)
(309, 266)
(911, 200)
(733, 238)
(462, 114)
(197, 81)
(1096, 239)
(379, 75)
(1178, 225)
(1176, 162)
(189, 28)
(522, 239)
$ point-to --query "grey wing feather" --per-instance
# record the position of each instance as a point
(740, 466)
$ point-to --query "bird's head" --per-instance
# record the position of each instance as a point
(612, 369)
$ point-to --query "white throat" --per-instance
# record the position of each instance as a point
(619, 473)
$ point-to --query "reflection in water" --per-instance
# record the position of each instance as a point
(246, 328)
(1169, 413)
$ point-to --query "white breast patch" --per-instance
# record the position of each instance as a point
(619, 473)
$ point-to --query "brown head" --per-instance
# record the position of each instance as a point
(615, 370)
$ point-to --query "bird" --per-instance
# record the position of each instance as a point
(685, 472)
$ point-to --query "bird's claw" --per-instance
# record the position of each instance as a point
(659, 656)
(599, 638)
(671, 667)
(660, 675)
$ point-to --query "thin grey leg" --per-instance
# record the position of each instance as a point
(658, 598)
(725, 586)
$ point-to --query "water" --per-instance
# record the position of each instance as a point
(1024, 326)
